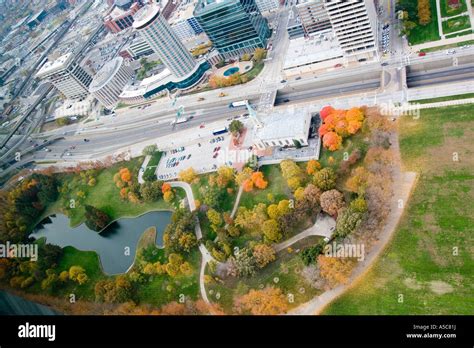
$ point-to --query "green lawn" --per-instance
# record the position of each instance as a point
(276, 186)
(104, 195)
(445, 47)
(256, 69)
(153, 163)
(430, 260)
(461, 33)
(447, 11)
(456, 24)
(441, 99)
(429, 32)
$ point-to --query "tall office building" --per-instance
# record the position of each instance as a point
(163, 40)
(313, 16)
(234, 27)
(67, 76)
(354, 23)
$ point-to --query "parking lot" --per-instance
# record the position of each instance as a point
(205, 156)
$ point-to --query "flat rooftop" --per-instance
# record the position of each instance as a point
(145, 15)
(318, 48)
(105, 74)
(51, 67)
(284, 123)
(183, 12)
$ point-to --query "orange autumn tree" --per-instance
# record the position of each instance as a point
(247, 185)
(336, 270)
(165, 187)
(268, 301)
(259, 181)
(312, 166)
(339, 124)
(125, 175)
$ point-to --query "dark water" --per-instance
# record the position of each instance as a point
(14, 305)
(111, 244)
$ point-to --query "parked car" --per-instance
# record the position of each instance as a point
(421, 54)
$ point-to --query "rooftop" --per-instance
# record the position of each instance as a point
(105, 74)
(183, 12)
(51, 67)
(293, 18)
(145, 15)
(318, 48)
(209, 4)
(284, 123)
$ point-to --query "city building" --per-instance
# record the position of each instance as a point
(234, 27)
(138, 48)
(314, 17)
(109, 81)
(267, 5)
(121, 16)
(308, 54)
(67, 76)
(183, 22)
(283, 129)
(294, 26)
(354, 24)
(153, 27)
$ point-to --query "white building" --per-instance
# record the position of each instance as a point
(283, 128)
(267, 5)
(182, 21)
(162, 39)
(313, 16)
(139, 48)
(354, 23)
(109, 82)
(67, 76)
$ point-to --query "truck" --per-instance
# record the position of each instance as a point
(179, 120)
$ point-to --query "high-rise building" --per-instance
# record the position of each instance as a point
(294, 27)
(67, 76)
(109, 81)
(267, 5)
(354, 24)
(183, 22)
(163, 40)
(313, 16)
(234, 27)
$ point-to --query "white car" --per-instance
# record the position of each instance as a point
(450, 52)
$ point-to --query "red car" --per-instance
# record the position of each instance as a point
(421, 54)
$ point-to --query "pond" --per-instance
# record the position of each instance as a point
(231, 71)
(111, 244)
(14, 305)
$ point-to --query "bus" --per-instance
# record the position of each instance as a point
(219, 131)
(238, 103)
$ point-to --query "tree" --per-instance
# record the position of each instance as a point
(125, 175)
(168, 196)
(325, 179)
(268, 301)
(310, 255)
(242, 264)
(78, 274)
(258, 180)
(149, 150)
(188, 175)
(259, 54)
(246, 57)
(114, 291)
(211, 196)
(225, 175)
(214, 218)
(358, 180)
(263, 254)
(332, 141)
(424, 12)
(245, 174)
(151, 191)
(347, 221)
(96, 219)
(335, 270)
(312, 167)
(272, 211)
(271, 231)
(236, 127)
(332, 201)
(165, 187)
(247, 185)
(187, 241)
(325, 112)
(359, 205)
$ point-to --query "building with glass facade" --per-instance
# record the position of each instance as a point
(234, 27)
(154, 28)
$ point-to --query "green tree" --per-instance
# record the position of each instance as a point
(149, 150)
(325, 179)
(96, 219)
(271, 231)
(236, 127)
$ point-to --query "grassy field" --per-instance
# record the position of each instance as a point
(153, 163)
(445, 47)
(429, 262)
(441, 99)
(447, 11)
(429, 32)
(461, 33)
(104, 195)
(456, 24)
(284, 273)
